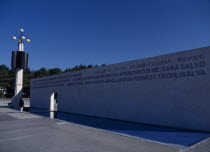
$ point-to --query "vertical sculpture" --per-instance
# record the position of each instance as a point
(19, 62)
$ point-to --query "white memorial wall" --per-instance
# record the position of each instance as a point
(170, 90)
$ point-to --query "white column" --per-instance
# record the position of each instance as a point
(18, 84)
(19, 78)
(20, 46)
(52, 102)
(52, 115)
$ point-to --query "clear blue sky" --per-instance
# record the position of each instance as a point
(65, 33)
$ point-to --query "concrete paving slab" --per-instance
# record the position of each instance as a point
(21, 132)
(203, 146)
(4, 117)
(21, 116)
(177, 137)
(38, 134)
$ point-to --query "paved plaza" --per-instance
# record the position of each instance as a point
(29, 132)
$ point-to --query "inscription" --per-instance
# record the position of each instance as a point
(176, 68)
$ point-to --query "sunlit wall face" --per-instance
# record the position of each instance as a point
(170, 90)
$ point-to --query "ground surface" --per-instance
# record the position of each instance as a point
(32, 133)
(177, 137)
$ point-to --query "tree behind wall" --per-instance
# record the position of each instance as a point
(4, 74)
(7, 78)
(54, 71)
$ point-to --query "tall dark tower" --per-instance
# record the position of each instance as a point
(19, 62)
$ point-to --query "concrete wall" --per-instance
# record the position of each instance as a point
(170, 90)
